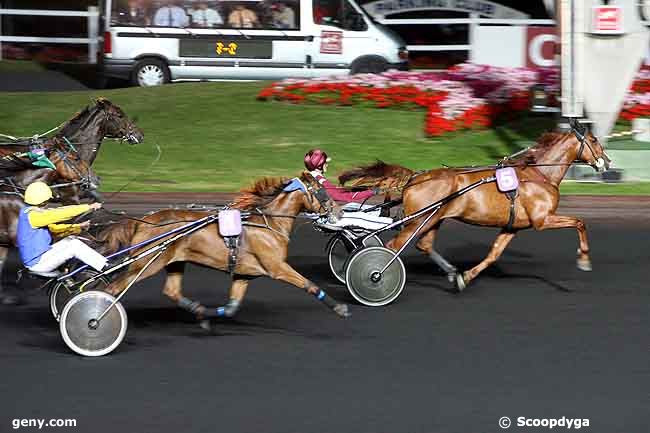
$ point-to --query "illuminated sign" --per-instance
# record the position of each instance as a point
(607, 20)
(226, 48)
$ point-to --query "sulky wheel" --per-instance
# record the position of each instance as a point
(339, 251)
(83, 333)
(61, 294)
(364, 281)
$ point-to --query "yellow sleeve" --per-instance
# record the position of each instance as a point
(45, 217)
(63, 230)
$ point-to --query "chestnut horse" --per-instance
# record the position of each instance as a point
(540, 170)
(262, 252)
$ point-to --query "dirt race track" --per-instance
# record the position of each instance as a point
(533, 337)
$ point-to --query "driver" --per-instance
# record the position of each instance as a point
(316, 161)
(36, 225)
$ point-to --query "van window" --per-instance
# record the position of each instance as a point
(338, 13)
(252, 14)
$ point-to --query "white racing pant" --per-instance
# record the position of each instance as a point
(66, 249)
(353, 217)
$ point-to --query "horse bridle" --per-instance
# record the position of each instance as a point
(580, 132)
(319, 193)
(126, 133)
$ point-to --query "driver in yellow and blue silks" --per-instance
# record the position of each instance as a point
(36, 225)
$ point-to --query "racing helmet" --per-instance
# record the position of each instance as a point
(37, 193)
(315, 159)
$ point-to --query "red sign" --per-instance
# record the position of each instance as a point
(541, 47)
(608, 20)
(331, 42)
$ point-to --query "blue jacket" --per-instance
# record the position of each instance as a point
(32, 242)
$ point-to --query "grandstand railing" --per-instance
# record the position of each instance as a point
(92, 15)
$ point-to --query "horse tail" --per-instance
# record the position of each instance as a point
(378, 174)
(118, 235)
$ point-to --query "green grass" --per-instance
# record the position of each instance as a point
(218, 137)
(19, 66)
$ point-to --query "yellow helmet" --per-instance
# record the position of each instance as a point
(37, 193)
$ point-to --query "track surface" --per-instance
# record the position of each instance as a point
(532, 337)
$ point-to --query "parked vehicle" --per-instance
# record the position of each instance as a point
(161, 41)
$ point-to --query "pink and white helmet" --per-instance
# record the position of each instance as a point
(315, 159)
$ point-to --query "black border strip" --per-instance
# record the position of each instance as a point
(253, 64)
(214, 37)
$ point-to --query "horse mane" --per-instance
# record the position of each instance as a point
(533, 155)
(81, 116)
(261, 193)
(376, 173)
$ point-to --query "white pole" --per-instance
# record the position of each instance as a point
(1, 33)
(93, 33)
(473, 27)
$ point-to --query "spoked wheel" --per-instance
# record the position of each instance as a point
(365, 282)
(83, 333)
(339, 251)
(61, 294)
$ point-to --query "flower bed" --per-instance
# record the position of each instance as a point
(463, 97)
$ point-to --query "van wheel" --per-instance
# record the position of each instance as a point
(150, 72)
(369, 65)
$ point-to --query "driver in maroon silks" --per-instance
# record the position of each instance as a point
(316, 162)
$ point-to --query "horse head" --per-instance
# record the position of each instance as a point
(117, 124)
(315, 197)
(590, 149)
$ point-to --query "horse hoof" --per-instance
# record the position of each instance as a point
(342, 310)
(206, 324)
(460, 282)
(11, 300)
(584, 265)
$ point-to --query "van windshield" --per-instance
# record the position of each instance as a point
(222, 14)
(338, 13)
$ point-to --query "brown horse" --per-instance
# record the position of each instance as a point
(70, 168)
(17, 171)
(86, 130)
(262, 252)
(540, 171)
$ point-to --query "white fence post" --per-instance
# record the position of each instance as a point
(93, 33)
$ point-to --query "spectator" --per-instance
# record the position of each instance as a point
(283, 16)
(202, 16)
(170, 15)
(243, 18)
(136, 14)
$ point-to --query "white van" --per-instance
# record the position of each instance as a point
(152, 42)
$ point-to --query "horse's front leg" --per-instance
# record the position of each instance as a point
(284, 272)
(561, 222)
(499, 245)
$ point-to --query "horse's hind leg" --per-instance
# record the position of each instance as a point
(238, 290)
(426, 244)
(174, 289)
(499, 245)
(7, 298)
